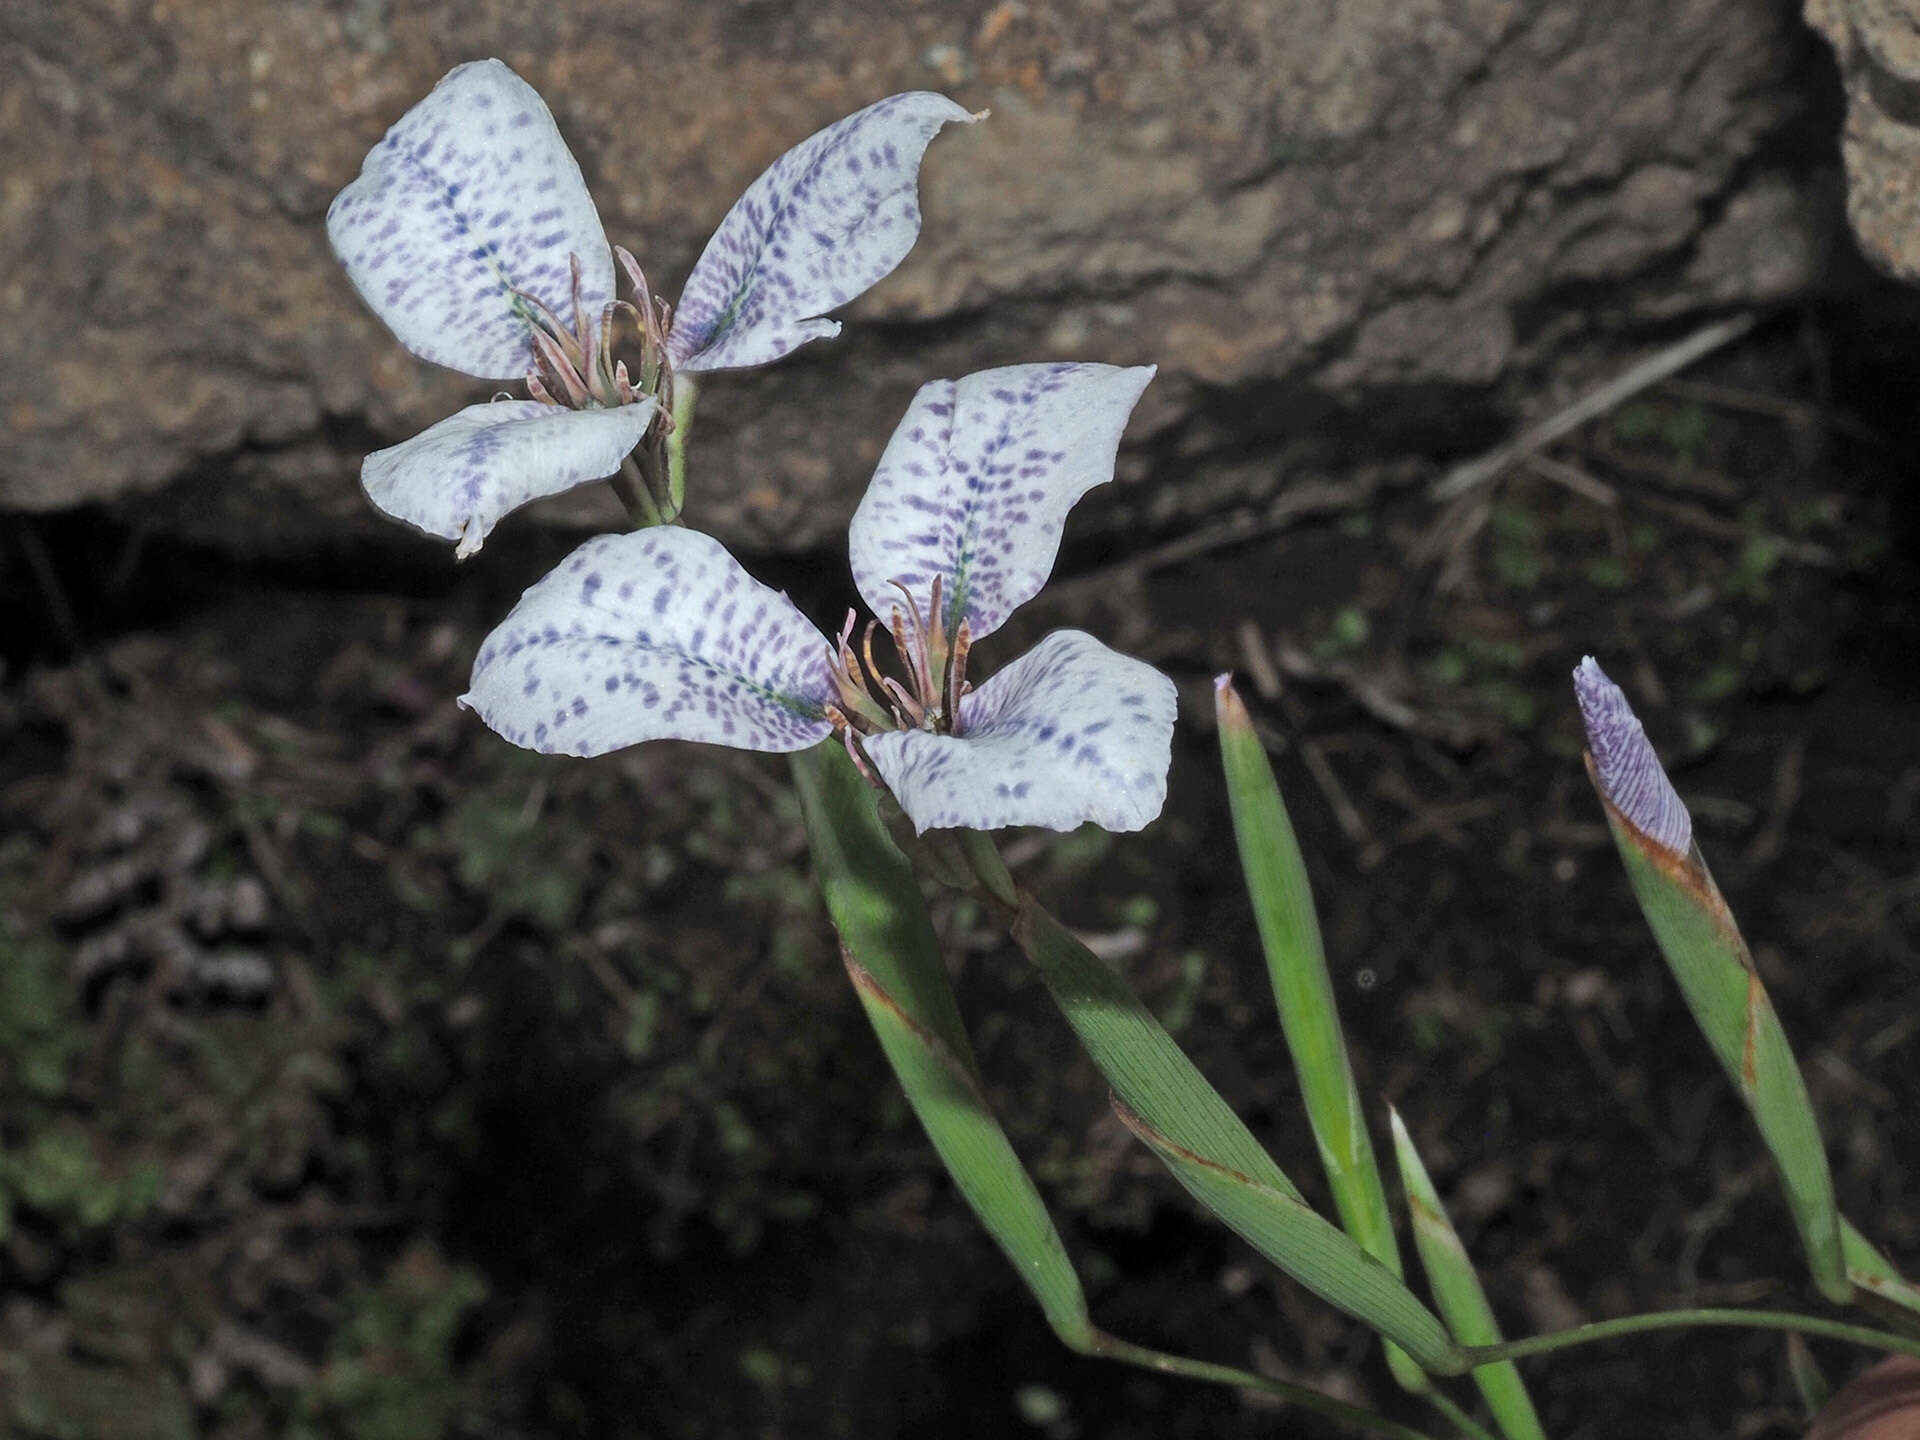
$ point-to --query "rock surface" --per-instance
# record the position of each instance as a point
(1385, 225)
(1878, 42)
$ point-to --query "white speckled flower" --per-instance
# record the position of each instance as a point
(1628, 773)
(661, 634)
(470, 232)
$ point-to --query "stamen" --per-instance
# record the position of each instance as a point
(635, 276)
(560, 334)
(579, 320)
(559, 368)
(936, 642)
(866, 648)
(910, 710)
(653, 329)
(859, 759)
(538, 390)
(914, 657)
(590, 355)
(957, 685)
(901, 646)
(606, 329)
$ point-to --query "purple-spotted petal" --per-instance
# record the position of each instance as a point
(458, 478)
(653, 635)
(977, 481)
(823, 223)
(1629, 773)
(1070, 732)
(471, 196)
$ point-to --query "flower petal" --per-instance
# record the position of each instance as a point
(658, 634)
(471, 196)
(456, 479)
(976, 483)
(1628, 772)
(823, 223)
(1071, 731)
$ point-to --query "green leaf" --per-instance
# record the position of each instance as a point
(1164, 1100)
(893, 957)
(1456, 1288)
(1283, 908)
(1704, 949)
(1877, 1284)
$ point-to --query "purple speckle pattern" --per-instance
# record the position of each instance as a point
(822, 224)
(1070, 732)
(976, 483)
(653, 635)
(472, 195)
(1630, 774)
(458, 478)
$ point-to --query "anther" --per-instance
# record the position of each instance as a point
(579, 319)
(936, 642)
(866, 650)
(957, 686)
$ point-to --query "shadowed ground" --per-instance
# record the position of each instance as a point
(363, 1077)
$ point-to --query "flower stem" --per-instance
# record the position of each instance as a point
(1130, 1354)
(684, 394)
(634, 493)
(1684, 1319)
(984, 856)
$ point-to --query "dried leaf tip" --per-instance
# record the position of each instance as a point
(1629, 774)
(1229, 710)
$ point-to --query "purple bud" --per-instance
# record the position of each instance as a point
(1628, 772)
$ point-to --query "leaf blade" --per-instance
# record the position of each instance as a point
(1282, 899)
(1165, 1100)
(894, 958)
(1457, 1291)
(1708, 957)
(1710, 962)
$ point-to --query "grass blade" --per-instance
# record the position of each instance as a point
(893, 957)
(1283, 909)
(1165, 1101)
(1877, 1285)
(1709, 959)
(1456, 1288)
(1697, 933)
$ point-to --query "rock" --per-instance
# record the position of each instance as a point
(1878, 42)
(1375, 227)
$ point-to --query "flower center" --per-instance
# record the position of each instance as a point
(933, 662)
(574, 365)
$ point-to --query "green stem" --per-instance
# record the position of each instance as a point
(1456, 1416)
(684, 394)
(635, 494)
(1130, 1354)
(984, 856)
(1684, 1319)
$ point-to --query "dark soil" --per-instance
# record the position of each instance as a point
(362, 1077)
